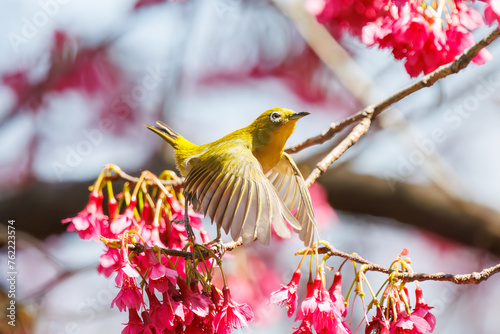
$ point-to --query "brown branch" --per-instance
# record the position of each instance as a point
(472, 278)
(352, 138)
(428, 80)
(121, 175)
(204, 252)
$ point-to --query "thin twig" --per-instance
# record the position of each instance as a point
(121, 175)
(357, 132)
(472, 278)
(229, 246)
(428, 80)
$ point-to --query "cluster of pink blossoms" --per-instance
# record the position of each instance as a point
(323, 310)
(418, 321)
(181, 297)
(425, 34)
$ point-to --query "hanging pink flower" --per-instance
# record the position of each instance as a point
(135, 324)
(126, 220)
(336, 294)
(287, 294)
(232, 315)
(320, 310)
(149, 326)
(160, 316)
(409, 324)
(310, 304)
(89, 221)
(129, 296)
(378, 324)
(156, 269)
(109, 262)
(422, 309)
(304, 328)
(195, 301)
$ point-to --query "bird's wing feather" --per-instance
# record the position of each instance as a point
(289, 183)
(232, 190)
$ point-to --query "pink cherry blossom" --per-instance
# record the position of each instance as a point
(126, 220)
(336, 294)
(378, 324)
(89, 221)
(320, 310)
(304, 328)
(109, 262)
(492, 11)
(135, 324)
(232, 315)
(410, 324)
(422, 309)
(424, 38)
(287, 294)
(149, 326)
(129, 296)
(195, 301)
(156, 269)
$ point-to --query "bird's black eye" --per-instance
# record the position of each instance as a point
(274, 117)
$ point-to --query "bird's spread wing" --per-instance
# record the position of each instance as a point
(232, 190)
(289, 183)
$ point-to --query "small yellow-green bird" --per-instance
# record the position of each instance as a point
(244, 181)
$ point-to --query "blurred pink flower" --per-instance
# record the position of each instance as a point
(323, 211)
(492, 11)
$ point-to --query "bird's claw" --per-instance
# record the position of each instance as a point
(216, 245)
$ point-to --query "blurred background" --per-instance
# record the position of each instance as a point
(79, 78)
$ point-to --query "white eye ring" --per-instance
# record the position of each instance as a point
(274, 117)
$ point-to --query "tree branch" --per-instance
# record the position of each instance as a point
(472, 278)
(368, 113)
(460, 62)
(229, 246)
(352, 138)
(121, 175)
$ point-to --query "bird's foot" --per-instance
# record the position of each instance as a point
(216, 245)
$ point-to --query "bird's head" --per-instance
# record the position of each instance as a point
(275, 118)
(275, 126)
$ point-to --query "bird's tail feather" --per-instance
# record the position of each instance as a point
(166, 132)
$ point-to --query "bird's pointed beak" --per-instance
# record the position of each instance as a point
(298, 115)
